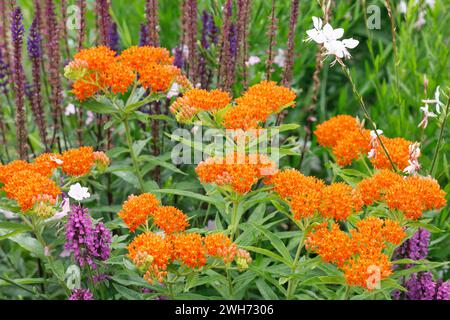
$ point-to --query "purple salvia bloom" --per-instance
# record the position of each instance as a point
(80, 236)
(3, 75)
(113, 37)
(81, 294)
(100, 277)
(442, 290)
(233, 41)
(143, 35)
(102, 241)
(34, 40)
(420, 287)
(205, 29)
(178, 56)
(17, 31)
(415, 248)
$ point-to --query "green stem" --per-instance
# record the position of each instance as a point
(133, 155)
(367, 115)
(234, 219)
(441, 136)
(292, 284)
(49, 258)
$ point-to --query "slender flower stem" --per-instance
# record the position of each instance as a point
(234, 219)
(367, 115)
(291, 284)
(133, 155)
(441, 136)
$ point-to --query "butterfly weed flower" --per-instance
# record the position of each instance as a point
(196, 100)
(188, 248)
(351, 146)
(414, 195)
(152, 253)
(237, 171)
(333, 130)
(26, 186)
(339, 201)
(101, 161)
(46, 163)
(398, 149)
(220, 246)
(373, 189)
(78, 162)
(257, 104)
(137, 209)
(8, 170)
(170, 219)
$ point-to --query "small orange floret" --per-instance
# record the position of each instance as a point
(170, 219)
(118, 77)
(97, 58)
(189, 249)
(78, 162)
(331, 131)
(305, 205)
(220, 246)
(136, 210)
(339, 201)
(238, 171)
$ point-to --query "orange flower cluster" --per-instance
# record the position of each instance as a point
(154, 66)
(189, 249)
(358, 254)
(220, 246)
(30, 183)
(78, 162)
(348, 140)
(170, 219)
(152, 253)
(238, 171)
(101, 69)
(196, 100)
(27, 186)
(373, 189)
(412, 195)
(257, 104)
(136, 210)
(308, 195)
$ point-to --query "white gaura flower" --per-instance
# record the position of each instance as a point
(280, 58)
(426, 114)
(436, 100)
(252, 60)
(173, 91)
(374, 142)
(413, 161)
(70, 109)
(371, 153)
(78, 193)
(316, 33)
(329, 38)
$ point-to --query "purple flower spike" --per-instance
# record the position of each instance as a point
(102, 241)
(81, 294)
(34, 40)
